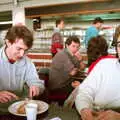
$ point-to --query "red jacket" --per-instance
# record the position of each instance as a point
(57, 42)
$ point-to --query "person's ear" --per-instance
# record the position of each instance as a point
(66, 46)
(7, 43)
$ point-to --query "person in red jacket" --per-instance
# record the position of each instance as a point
(57, 39)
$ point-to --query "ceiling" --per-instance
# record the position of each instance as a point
(5, 1)
(82, 9)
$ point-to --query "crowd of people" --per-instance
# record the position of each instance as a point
(98, 94)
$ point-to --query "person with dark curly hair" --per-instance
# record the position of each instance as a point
(97, 49)
(66, 64)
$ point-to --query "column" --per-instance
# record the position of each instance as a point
(18, 16)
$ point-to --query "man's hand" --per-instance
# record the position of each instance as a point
(6, 96)
(86, 114)
(78, 55)
(74, 71)
(75, 83)
(34, 91)
(108, 115)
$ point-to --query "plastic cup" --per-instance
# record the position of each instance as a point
(31, 111)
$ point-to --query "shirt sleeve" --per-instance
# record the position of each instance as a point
(32, 77)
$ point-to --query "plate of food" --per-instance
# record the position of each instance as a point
(18, 108)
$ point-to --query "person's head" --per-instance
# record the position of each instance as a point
(18, 40)
(60, 23)
(116, 35)
(97, 47)
(98, 22)
(117, 44)
(73, 44)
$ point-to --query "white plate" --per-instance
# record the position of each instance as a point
(43, 106)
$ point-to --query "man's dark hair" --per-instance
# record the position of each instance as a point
(97, 47)
(20, 32)
(98, 20)
(58, 21)
(71, 39)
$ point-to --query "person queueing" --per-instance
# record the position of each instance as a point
(93, 30)
(57, 38)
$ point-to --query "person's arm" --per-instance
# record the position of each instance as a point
(36, 85)
(87, 90)
(80, 60)
(78, 56)
(34, 91)
(108, 115)
(6, 96)
(86, 114)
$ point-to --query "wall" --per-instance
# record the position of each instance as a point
(6, 5)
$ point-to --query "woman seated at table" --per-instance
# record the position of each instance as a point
(66, 64)
(96, 51)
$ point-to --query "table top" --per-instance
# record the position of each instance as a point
(64, 113)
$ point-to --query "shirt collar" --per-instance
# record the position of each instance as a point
(20, 62)
(70, 52)
(56, 29)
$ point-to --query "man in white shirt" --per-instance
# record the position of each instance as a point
(100, 90)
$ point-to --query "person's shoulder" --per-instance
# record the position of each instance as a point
(91, 28)
(104, 64)
(107, 61)
(60, 53)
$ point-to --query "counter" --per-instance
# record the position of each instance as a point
(44, 58)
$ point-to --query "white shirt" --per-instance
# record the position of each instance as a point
(101, 87)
